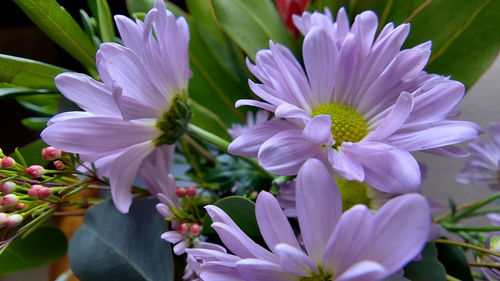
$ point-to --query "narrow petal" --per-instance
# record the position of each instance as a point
(123, 171)
(450, 151)
(290, 111)
(69, 115)
(273, 224)
(318, 131)
(319, 207)
(387, 168)
(249, 143)
(364, 271)
(259, 104)
(258, 270)
(130, 33)
(346, 164)
(401, 229)
(285, 152)
(294, 260)
(172, 236)
(154, 173)
(350, 238)
(220, 271)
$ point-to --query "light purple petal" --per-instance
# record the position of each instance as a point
(259, 104)
(68, 115)
(258, 270)
(364, 28)
(130, 33)
(294, 260)
(387, 168)
(346, 164)
(123, 171)
(285, 152)
(319, 207)
(401, 229)
(250, 141)
(154, 173)
(172, 236)
(293, 112)
(364, 271)
(448, 151)
(318, 130)
(273, 224)
(220, 271)
(350, 238)
(180, 248)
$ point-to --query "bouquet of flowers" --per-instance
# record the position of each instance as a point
(252, 140)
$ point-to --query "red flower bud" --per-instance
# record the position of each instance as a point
(9, 200)
(195, 229)
(183, 228)
(33, 191)
(180, 192)
(191, 191)
(8, 162)
(7, 187)
(50, 153)
(44, 193)
(13, 220)
(288, 8)
(35, 171)
(59, 165)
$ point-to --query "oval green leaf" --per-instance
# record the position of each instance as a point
(428, 268)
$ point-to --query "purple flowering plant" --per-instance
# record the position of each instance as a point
(250, 140)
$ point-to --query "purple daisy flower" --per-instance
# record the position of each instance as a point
(127, 120)
(259, 117)
(483, 167)
(360, 106)
(355, 245)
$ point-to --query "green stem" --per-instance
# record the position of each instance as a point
(476, 206)
(223, 144)
(485, 212)
(451, 278)
(454, 227)
(466, 245)
(490, 265)
(190, 157)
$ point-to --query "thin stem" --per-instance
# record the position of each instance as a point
(198, 148)
(191, 158)
(485, 212)
(466, 245)
(490, 265)
(480, 204)
(451, 278)
(453, 227)
(223, 144)
(468, 205)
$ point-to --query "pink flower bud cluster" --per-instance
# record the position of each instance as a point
(182, 191)
(40, 192)
(51, 153)
(35, 171)
(7, 162)
(7, 187)
(10, 221)
(9, 200)
(184, 227)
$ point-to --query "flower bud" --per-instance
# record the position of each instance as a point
(7, 187)
(33, 191)
(195, 229)
(3, 217)
(191, 191)
(21, 205)
(59, 164)
(35, 171)
(9, 200)
(51, 153)
(8, 162)
(13, 220)
(180, 192)
(44, 193)
(183, 228)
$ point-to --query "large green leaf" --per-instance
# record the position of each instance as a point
(43, 104)
(28, 73)
(101, 12)
(428, 268)
(207, 119)
(42, 246)
(114, 246)
(58, 24)
(241, 210)
(251, 23)
(32, 153)
(454, 261)
(464, 34)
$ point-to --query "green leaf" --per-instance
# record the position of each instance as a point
(42, 246)
(44, 104)
(35, 123)
(205, 118)
(241, 210)
(454, 261)
(396, 277)
(58, 24)
(32, 153)
(28, 73)
(100, 10)
(251, 24)
(465, 36)
(428, 268)
(139, 6)
(114, 246)
(8, 91)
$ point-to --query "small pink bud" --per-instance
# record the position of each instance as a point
(3, 217)
(51, 153)
(191, 191)
(180, 192)
(8, 162)
(7, 187)
(59, 165)
(44, 193)
(35, 171)
(33, 191)
(9, 200)
(21, 205)
(195, 229)
(183, 228)
(13, 221)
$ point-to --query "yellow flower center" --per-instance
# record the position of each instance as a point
(347, 123)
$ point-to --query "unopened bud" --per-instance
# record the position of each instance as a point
(3, 217)
(191, 191)
(21, 205)
(9, 200)
(51, 153)
(13, 220)
(35, 171)
(59, 165)
(195, 229)
(183, 228)
(44, 193)
(180, 192)
(7, 187)
(33, 191)
(8, 162)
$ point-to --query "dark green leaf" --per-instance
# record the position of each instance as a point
(45, 104)
(35, 123)
(89, 26)
(114, 246)
(28, 73)
(58, 24)
(396, 277)
(42, 246)
(251, 24)
(205, 118)
(454, 261)
(241, 210)
(139, 6)
(100, 10)
(32, 153)
(428, 268)
(8, 91)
